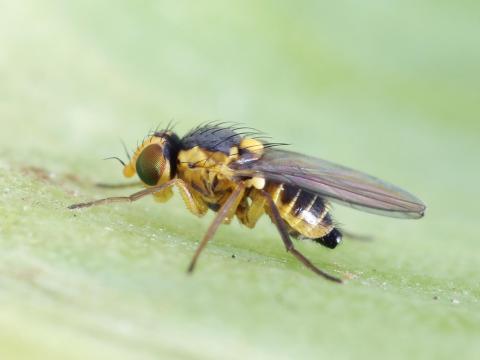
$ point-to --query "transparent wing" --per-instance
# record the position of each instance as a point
(335, 182)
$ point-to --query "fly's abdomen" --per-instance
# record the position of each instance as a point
(305, 213)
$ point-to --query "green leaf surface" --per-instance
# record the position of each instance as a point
(391, 88)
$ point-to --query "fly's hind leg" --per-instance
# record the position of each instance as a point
(282, 228)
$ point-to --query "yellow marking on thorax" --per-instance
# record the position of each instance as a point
(252, 145)
(256, 182)
(234, 152)
(202, 168)
(216, 162)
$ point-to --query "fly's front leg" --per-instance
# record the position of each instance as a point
(134, 197)
(282, 228)
(191, 198)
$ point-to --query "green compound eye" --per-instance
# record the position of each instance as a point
(150, 164)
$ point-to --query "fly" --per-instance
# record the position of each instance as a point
(239, 174)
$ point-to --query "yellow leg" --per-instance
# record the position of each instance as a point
(191, 198)
(164, 195)
(250, 214)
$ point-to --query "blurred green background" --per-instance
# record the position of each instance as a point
(391, 88)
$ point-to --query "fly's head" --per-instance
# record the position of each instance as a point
(154, 161)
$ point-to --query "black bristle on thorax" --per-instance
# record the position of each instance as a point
(212, 138)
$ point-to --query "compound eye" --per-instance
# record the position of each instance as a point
(150, 164)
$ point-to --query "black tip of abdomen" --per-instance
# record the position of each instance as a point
(331, 240)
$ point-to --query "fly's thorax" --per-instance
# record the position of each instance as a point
(205, 170)
(210, 171)
(154, 161)
(203, 156)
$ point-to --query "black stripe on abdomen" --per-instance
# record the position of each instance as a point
(307, 214)
(309, 206)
